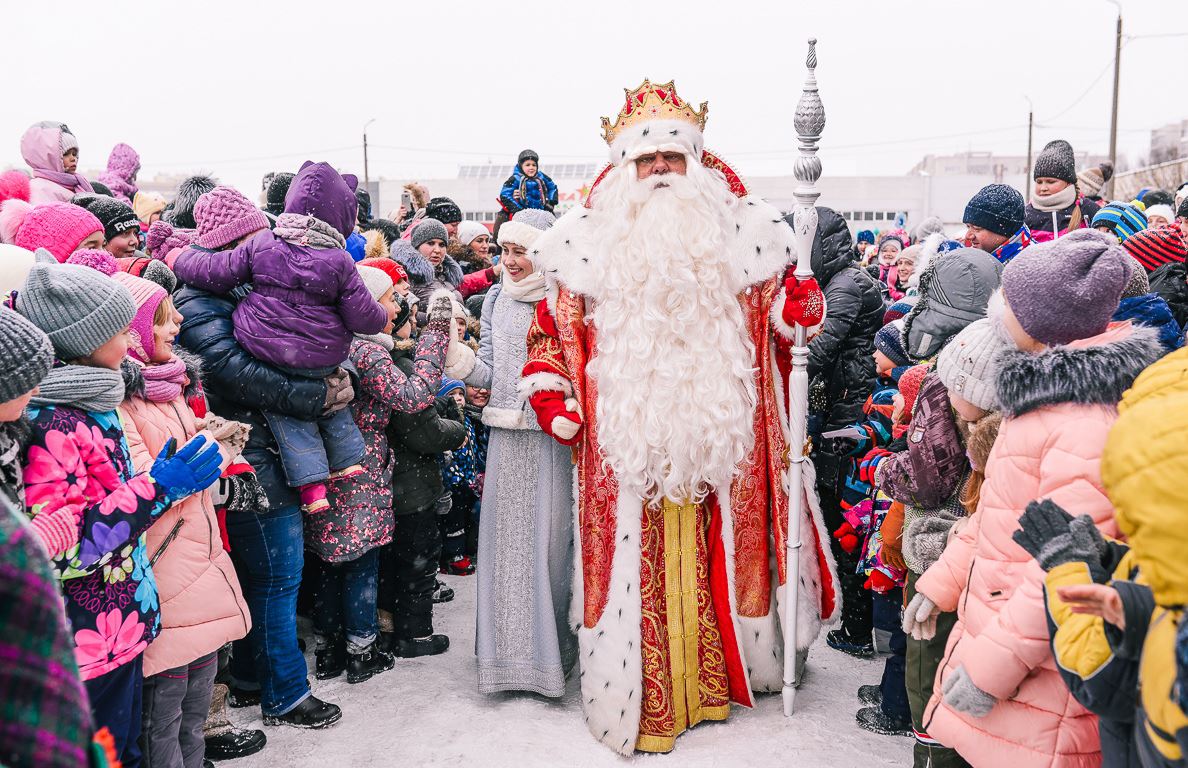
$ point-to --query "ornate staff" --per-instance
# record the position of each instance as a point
(809, 122)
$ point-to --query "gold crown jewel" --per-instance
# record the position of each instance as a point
(653, 102)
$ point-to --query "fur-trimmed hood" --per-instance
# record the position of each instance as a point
(133, 374)
(1094, 371)
(420, 271)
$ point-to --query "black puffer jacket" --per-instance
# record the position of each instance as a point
(240, 387)
(841, 363)
(416, 440)
(1171, 282)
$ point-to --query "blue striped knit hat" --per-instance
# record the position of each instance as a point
(1123, 220)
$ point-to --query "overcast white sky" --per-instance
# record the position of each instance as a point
(241, 87)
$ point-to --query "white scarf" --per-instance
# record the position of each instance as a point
(1055, 202)
(529, 290)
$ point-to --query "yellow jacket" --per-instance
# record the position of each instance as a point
(1145, 470)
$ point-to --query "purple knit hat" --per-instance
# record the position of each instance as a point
(1067, 289)
(224, 215)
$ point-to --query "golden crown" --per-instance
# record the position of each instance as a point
(653, 102)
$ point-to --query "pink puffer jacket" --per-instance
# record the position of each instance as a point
(1059, 407)
(202, 607)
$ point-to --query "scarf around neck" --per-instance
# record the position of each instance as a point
(1056, 202)
(529, 290)
(309, 231)
(75, 182)
(165, 381)
(81, 386)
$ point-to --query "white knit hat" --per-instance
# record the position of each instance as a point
(377, 281)
(1162, 210)
(469, 230)
(968, 364)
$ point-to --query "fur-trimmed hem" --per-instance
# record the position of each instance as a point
(543, 382)
(1086, 375)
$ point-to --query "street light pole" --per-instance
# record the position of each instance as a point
(366, 171)
(1114, 112)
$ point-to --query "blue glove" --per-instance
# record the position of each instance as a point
(189, 471)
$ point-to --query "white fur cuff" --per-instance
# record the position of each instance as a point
(543, 382)
(459, 361)
(785, 330)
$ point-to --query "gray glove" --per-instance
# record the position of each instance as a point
(962, 695)
(1053, 537)
(441, 307)
(339, 392)
(919, 618)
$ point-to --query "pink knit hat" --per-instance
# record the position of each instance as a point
(224, 215)
(57, 227)
(146, 294)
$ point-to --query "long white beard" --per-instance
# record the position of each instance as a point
(674, 360)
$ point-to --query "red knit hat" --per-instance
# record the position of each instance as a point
(909, 387)
(1155, 247)
(392, 268)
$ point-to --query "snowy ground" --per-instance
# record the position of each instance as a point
(426, 712)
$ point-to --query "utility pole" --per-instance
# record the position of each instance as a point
(1030, 126)
(1114, 113)
(366, 172)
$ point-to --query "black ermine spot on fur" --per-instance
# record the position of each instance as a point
(601, 632)
(788, 250)
(756, 635)
(647, 131)
(604, 733)
(673, 132)
(567, 242)
(620, 613)
(624, 153)
(606, 685)
(758, 251)
(624, 744)
(624, 663)
(750, 202)
(622, 712)
(738, 227)
(584, 259)
(776, 221)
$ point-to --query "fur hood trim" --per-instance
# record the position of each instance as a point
(1094, 374)
(419, 270)
(762, 246)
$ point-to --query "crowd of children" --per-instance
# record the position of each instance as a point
(214, 416)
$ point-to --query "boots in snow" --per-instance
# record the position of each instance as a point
(871, 695)
(238, 698)
(442, 593)
(223, 740)
(311, 713)
(331, 658)
(458, 566)
(840, 640)
(872, 719)
(421, 646)
(364, 666)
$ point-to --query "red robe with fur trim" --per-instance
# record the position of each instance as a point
(744, 548)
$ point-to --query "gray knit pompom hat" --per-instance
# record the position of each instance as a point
(26, 355)
(79, 308)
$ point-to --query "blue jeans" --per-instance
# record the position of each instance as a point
(268, 552)
(346, 593)
(888, 619)
(309, 450)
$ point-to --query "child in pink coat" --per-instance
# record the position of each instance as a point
(51, 150)
(998, 698)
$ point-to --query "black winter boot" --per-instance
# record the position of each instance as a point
(312, 713)
(422, 646)
(331, 660)
(364, 666)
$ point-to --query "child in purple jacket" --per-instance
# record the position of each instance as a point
(306, 303)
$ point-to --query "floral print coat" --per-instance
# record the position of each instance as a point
(80, 457)
(360, 515)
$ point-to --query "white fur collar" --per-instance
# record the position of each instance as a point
(761, 246)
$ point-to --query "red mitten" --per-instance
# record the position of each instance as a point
(550, 405)
(804, 303)
(57, 530)
(847, 537)
(880, 582)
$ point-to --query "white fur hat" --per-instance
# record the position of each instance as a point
(1161, 210)
(525, 227)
